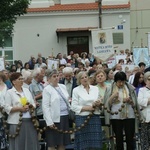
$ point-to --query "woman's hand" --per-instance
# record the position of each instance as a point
(97, 103)
(128, 100)
(115, 95)
(52, 126)
(25, 108)
(88, 108)
(114, 98)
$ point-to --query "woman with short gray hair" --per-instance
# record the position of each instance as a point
(144, 102)
(55, 105)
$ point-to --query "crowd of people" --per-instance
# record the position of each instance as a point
(80, 83)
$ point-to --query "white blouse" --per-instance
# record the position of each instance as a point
(2, 95)
(82, 98)
(143, 96)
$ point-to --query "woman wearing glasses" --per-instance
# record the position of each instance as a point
(119, 99)
(18, 100)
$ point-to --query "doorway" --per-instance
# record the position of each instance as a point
(78, 44)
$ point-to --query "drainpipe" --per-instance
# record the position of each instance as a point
(100, 13)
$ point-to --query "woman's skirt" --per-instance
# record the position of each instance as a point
(3, 141)
(54, 138)
(27, 138)
(89, 136)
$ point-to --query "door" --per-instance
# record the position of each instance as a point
(78, 44)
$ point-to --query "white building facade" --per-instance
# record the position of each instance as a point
(56, 26)
(140, 23)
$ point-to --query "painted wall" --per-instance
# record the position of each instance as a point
(113, 20)
(26, 39)
(140, 23)
(34, 33)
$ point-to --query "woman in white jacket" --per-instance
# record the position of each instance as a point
(86, 99)
(144, 102)
(18, 100)
(55, 105)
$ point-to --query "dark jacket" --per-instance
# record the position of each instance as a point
(74, 84)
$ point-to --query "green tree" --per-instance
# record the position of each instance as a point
(9, 11)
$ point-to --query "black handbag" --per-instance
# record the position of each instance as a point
(71, 115)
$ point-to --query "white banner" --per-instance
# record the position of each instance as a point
(53, 64)
(128, 67)
(148, 40)
(141, 55)
(111, 62)
(102, 43)
(118, 57)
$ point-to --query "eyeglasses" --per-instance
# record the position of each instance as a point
(20, 79)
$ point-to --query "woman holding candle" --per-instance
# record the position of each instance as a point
(18, 100)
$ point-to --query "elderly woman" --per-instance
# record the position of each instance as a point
(86, 99)
(144, 102)
(18, 100)
(119, 99)
(27, 79)
(55, 105)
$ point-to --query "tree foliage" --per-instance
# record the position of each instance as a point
(9, 11)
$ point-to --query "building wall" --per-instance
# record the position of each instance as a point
(140, 23)
(27, 41)
(113, 20)
(36, 32)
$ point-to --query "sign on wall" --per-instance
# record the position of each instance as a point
(102, 43)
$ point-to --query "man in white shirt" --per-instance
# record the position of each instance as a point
(40, 63)
(62, 61)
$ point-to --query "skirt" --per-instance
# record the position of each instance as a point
(54, 138)
(27, 138)
(89, 136)
(3, 141)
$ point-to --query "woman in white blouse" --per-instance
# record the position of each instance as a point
(85, 100)
(55, 105)
(17, 100)
(144, 102)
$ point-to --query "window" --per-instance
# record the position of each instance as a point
(7, 50)
(9, 55)
(117, 38)
(77, 40)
